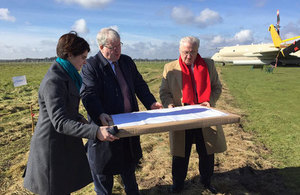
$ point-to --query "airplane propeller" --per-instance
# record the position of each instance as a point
(278, 21)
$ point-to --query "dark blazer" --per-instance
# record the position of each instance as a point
(101, 93)
(57, 161)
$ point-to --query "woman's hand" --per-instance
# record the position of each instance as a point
(104, 135)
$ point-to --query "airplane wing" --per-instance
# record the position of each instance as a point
(265, 52)
(294, 47)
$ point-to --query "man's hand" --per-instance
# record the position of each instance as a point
(171, 106)
(207, 104)
(104, 135)
(156, 105)
(106, 120)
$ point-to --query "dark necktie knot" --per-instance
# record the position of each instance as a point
(115, 64)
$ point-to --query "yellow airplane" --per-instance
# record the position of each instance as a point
(279, 52)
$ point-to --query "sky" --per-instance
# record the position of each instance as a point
(149, 29)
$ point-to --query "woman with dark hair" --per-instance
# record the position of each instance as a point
(57, 162)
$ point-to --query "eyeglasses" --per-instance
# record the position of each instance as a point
(192, 53)
(114, 47)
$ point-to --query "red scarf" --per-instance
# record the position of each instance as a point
(202, 81)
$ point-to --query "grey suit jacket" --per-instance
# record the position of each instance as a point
(57, 161)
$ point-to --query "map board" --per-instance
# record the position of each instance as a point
(170, 119)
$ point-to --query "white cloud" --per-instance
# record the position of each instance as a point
(290, 35)
(243, 36)
(149, 50)
(87, 3)
(28, 44)
(290, 30)
(182, 15)
(260, 3)
(218, 39)
(80, 27)
(207, 17)
(4, 15)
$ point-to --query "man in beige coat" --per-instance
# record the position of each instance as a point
(192, 80)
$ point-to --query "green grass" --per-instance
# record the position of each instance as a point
(272, 109)
(152, 74)
(15, 117)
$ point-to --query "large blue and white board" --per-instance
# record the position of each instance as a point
(170, 119)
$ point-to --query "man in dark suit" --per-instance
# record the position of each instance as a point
(111, 83)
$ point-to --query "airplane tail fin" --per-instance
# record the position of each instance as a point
(275, 36)
(278, 42)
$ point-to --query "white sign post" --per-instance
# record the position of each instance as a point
(19, 81)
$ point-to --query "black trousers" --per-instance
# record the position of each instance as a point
(180, 164)
(104, 183)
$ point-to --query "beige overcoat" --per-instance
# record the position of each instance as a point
(171, 93)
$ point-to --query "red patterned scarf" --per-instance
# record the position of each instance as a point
(202, 81)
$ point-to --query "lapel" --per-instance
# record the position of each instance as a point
(71, 85)
(72, 88)
(178, 75)
(108, 71)
(105, 66)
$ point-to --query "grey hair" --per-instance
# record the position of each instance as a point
(106, 34)
(191, 39)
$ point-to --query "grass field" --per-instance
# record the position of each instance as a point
(270, 112)
(271, 105)
(15, 117)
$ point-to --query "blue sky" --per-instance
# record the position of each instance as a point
(149, 29)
